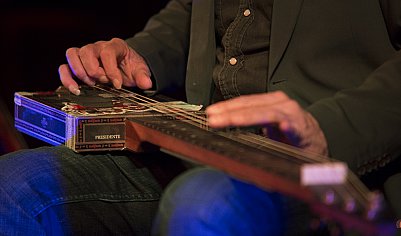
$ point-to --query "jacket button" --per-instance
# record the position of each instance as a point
(247, 12)
(233, 61)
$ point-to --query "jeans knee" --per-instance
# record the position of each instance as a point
(29, 177)
(208, 202)
(196, 188)
(27, 164)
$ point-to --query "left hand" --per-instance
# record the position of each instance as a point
(105, 61)
(270, 108)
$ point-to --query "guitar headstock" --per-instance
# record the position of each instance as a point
(342, 197)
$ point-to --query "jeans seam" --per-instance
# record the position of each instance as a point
(95, 197)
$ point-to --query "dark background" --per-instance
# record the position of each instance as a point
(34, 36)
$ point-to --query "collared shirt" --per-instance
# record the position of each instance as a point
(243, 34)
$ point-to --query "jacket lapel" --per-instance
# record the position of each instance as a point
(284, 18)
(202, 51)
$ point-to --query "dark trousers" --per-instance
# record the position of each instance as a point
(54, 191)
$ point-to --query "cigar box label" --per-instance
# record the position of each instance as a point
(94, 120)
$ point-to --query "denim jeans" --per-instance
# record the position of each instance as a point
(54, 191)
(207, 202)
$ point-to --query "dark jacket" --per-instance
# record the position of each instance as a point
(339, 59)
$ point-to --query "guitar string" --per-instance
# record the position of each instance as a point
(161, 107)
(197, 119)
(259, 140)
(201, 121)
(275, 163)
(359, 188)
(278, 146)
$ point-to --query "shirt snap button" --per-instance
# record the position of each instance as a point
(233, 61)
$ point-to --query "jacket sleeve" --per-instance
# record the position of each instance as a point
(363, 125)
(164, 44)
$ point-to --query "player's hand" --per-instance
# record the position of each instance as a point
(105, 62)
(274, 108)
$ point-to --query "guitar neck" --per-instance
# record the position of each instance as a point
(210, 148)
(267, 164)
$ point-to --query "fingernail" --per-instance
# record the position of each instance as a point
(103, 79)
(89, 81)
(75, 90)
(117, 84)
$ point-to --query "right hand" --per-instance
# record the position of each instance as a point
(104, 62)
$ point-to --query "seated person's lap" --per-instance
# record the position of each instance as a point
(111, 192)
